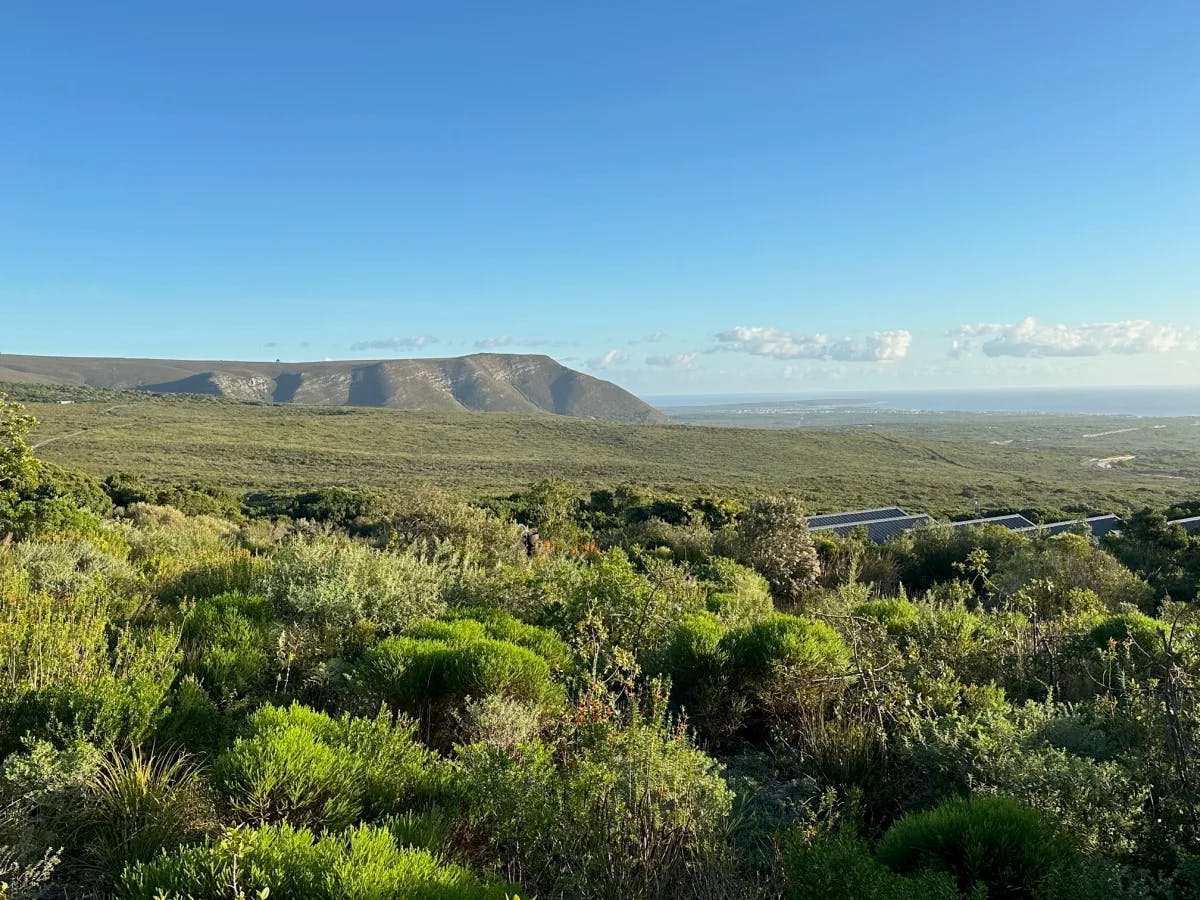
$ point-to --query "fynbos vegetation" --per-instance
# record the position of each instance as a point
(353, 693)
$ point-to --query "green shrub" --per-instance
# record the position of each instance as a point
(995, 842)
(194, 722)
(136, 806)
(342, 582)
(303, 767)
(1098, 803)
(635, 610)
(69, 672)
(839, 866)
(77, 488)
(455, 631)
(73, 566)
(689, 542)
(501, 626)
(1066, 563)
(737, 594)
(226, 644)
(37, 786)
(754, 654)
(898, 616)
(431, 678)
(363, 863)
(164, 543)
(772, 538)
(647, 812)
(233, 571)
(691, 658)
(478, 623)
(1139, 634)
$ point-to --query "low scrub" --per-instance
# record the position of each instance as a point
(363, 863)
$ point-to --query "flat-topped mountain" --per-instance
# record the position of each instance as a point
(485, 382)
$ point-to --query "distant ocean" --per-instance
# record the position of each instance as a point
(1117, 401)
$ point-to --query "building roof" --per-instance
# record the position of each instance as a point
(1012, 522)
(880, 531)
(1098, 525)
(1052, 528)
(1191, 525)
(858, 515)
(1102, 525)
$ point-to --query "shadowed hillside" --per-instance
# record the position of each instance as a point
(483, 382)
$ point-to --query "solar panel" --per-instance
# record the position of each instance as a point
(1102, 525)
(879, 531)
(1053, 528)
(1099, 526)
(1012, 522)
(857, 515)
(1190, 525)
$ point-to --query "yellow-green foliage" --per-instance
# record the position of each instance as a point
(362, 863)
(165, 543)
(67, 668)
(303, 767)
(896, 615)
(737, 594)
(227, 644)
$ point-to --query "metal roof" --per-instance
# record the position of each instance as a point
(1191, 525)
(1012, 522)
(857, 515)
(880, 531)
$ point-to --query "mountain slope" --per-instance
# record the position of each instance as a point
(484, 382)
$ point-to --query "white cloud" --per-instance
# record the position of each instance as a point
(674, 361)
(879, 346)
(652, 338)
(1031, 338)
(413, 342)
(605, 361)
(492, 342)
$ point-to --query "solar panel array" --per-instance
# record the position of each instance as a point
(880, 531)
(1013, 522)
(1053, 528)
(858, 515)
(888, 522)
(1190, 525)
(1099, 526)
(1102, 525)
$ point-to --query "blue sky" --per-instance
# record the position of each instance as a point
(683, 197)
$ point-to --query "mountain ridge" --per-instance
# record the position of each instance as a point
(480, 382)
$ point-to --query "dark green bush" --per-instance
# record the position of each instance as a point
(995, 842)
(755, 653)
(839, 866)
(691, 659)
(423, 676)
